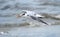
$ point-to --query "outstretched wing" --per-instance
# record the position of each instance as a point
(38, 19)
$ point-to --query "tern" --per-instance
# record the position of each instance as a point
(33, 15)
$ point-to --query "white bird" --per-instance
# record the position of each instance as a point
(33, 15)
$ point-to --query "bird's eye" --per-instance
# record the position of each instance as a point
(23, 14)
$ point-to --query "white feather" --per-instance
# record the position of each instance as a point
(32, 13)
(37, 15)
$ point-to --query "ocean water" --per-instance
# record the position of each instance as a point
(45, 31)
(9, 9)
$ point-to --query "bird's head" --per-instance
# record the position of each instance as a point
(22, 14)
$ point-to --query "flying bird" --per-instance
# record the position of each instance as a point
(33, 15)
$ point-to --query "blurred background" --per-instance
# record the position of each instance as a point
(8, 21)
(9, 8)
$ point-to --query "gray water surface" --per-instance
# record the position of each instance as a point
(9, 8)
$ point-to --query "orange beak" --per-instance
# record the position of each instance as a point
(18, 15)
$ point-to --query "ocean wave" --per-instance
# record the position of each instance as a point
(7, 15)
(48, 2)
(5, 7)
(52, 16)
(14, 24)
(24, 6)
(51, 3)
